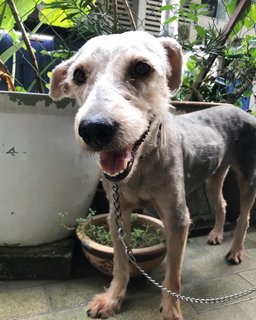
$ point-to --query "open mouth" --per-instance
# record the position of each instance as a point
(116, 165)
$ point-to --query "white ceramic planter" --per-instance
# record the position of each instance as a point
(42, 170)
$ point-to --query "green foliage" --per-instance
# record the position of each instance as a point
(236, 59)
(82, 19)
(7, 22)
(65, 13)
(24, 7)
(142, 235)
(187, 11)
(248, 18)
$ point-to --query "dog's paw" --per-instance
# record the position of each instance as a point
(215, 237)
(234, 257)
(171, 317)
(103, 306)
(167, 316)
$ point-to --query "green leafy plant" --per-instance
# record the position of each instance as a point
(81, 20)
(231, 77)
(142, 235)
(14, 12)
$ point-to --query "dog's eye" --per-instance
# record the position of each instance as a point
(79, 77)
(140, 69)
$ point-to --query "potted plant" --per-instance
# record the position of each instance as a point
(147, 241)
(45, 172)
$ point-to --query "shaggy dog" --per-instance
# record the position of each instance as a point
(123, 84)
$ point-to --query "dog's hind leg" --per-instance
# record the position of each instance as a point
(217, 204)
(247, 197)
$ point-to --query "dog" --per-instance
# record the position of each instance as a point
(123, 83)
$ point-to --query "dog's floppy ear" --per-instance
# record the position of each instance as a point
(59, 88)
(175, 61)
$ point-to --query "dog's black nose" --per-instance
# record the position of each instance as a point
(98, 133)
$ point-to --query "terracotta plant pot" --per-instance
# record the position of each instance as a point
(101, 256)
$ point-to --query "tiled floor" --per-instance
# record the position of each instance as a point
(205, 274)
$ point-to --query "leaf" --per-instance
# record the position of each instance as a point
(172, 19)
(49, 74)
(192, 6)
(238, 27)
(247, 93)
(2, 11)
(55, 17)
(192, 17)
(248, 37)
(18, 43)
(167, 7)
(231, 6)
(203, 12)
(252, 52)
(191, 64)
(201, 6)
(250, 17)
(64, 14)
(24, 8)
(20, 89)
(248, 20)
(7, 54)
(200, 31)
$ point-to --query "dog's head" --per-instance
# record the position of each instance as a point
(123, 84)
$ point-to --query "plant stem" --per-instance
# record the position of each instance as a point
(240, 9)
(4, 73)
(21, 27)
(115, 15)
(130, 14)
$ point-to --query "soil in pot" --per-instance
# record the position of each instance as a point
(144, 228)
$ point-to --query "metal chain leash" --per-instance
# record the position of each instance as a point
(128, 250)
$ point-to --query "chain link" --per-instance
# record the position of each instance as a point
(128, 250)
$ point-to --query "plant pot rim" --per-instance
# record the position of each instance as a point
(33, 98)
(177, 103)
(21, 93)
(89, 243)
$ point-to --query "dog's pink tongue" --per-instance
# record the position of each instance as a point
(113, 162)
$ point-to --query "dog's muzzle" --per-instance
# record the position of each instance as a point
(97, 134)
(116, 165)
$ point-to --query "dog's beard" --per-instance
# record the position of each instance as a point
(117, 165)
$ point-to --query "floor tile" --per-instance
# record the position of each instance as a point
(224, 248)
(218, 287)
(75, 292)
(22, 284)
(250, 276)
(217, 266)
(205, 274)
(251, 253)
(224, 313)
(69, 314)
(22, 303)
(249, 307)
(251, 235)
(195, 250)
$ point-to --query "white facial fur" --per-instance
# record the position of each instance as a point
(109, 91)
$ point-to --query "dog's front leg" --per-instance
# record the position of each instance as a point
(176, 236)
(106, 304)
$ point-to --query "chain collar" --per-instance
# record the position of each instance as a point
(128, 251)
